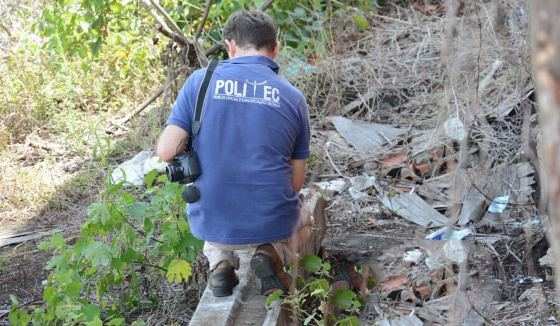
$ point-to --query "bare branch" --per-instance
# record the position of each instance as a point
(203, 21)
(169, 21)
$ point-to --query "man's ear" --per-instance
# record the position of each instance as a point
(231, 48)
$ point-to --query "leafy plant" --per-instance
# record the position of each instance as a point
(314, 298)
(102, 275)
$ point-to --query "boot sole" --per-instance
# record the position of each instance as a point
(223, 291)
(264, 270)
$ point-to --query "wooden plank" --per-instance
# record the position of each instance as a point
(7, 240)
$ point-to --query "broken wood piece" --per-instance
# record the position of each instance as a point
(365, 137)
(16, 238)
(413, 208)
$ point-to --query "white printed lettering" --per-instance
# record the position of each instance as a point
(219, 86)
(276, 95)
(267, 92)
(229, 87)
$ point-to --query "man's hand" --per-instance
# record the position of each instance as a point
(171, 142)
(298, 174)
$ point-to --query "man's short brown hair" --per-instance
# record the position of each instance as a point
(251, 28)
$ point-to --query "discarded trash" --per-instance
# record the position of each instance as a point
(413, 256)
(547, 260)
(133, 171)
(455, 251)
(499, 204)
(454, 129)
(364, 136)
(527, 280)
(333, 186)
(448, 233)
(359, 184)
(362, 182)
(410, 320)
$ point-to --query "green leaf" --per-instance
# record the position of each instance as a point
(274, 296)
(319, 287)
(98, 253)
(18, 317)
(179, 270)
(91, 314)
(311, 263)
(56, 242)
(345, 299)
(116, 322)
(348, 321)
(361, 22)
(150, 178)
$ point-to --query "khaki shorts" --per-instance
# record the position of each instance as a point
(217, 252)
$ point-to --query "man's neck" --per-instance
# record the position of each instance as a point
(251, 52)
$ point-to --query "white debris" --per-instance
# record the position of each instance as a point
(359, 185)
(448, 233)
(133, 171)
(455, 129)
(333, 186)
(362, 182)
(410, 320)
(499, 204)
(547, 260)
(365, 137)
(413, 256)
(455, 251)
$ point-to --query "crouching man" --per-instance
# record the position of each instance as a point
(252, 144)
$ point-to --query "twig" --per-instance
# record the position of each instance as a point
(203, 21)
(21, 306)
(146, 103)
(169, 21)
(175, 34)
(2, 26)
(332, 162)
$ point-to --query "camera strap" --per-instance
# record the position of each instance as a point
(200, 99)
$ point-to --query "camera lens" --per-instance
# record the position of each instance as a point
(174, 173)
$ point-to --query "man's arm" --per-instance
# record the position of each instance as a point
(298, 174)
(171, 142)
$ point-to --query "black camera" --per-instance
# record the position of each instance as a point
(185, 169)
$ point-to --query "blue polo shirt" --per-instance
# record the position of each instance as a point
(254, 122)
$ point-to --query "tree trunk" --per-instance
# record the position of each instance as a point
(545, 30)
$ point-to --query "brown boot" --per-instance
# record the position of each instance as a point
(268, 268)
(223, 279)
